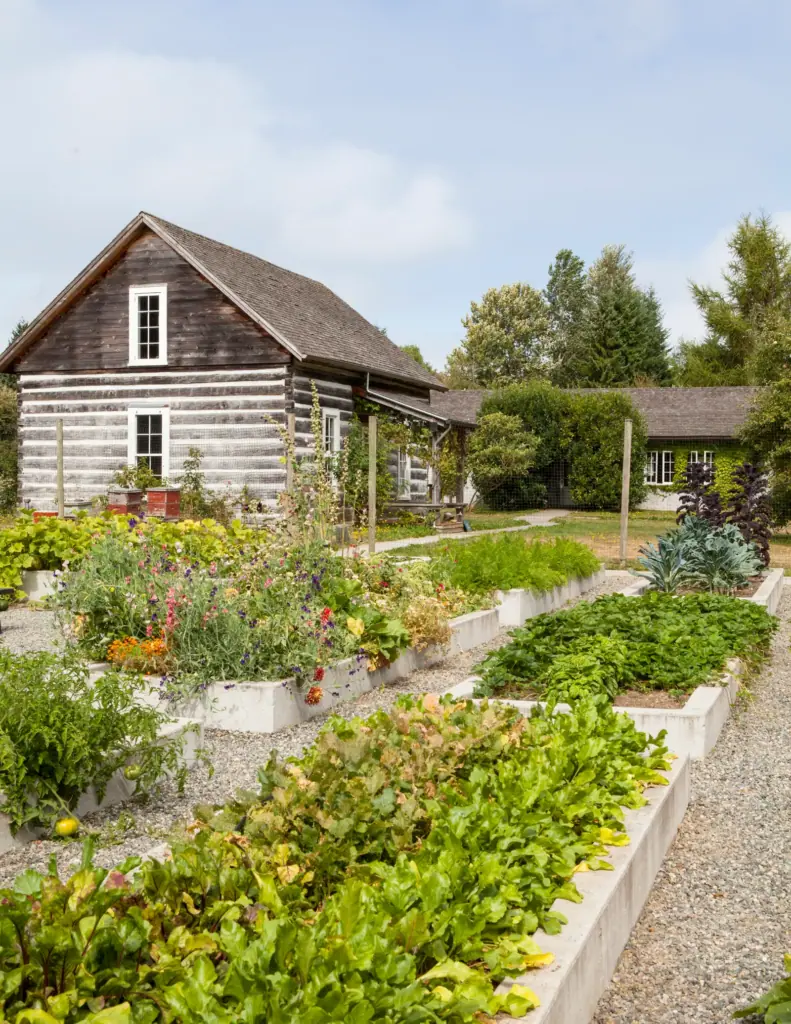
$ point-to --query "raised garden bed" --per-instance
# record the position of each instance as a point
(767, 593)
(270, 705)
(692, 729)
(119, 788)
(587, 950)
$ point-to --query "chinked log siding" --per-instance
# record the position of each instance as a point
(238, 436)
(204, 328)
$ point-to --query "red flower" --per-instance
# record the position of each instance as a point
(383, 583)
(326, 615)
(318, 674)
(314, 695)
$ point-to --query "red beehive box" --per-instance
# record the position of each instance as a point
(164, 502)
(125, 502)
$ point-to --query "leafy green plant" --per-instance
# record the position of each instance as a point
(698, 497)
(672, 643)
(138, 477)
(700, 554)
(594, 666)
(383, 876)
(61, 734)
(775, 1005)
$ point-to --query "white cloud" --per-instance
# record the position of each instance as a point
(99, 135)
(671, 276)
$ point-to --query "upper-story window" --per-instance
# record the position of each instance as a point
(148, 325)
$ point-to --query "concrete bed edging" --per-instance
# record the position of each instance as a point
(767, 595)
(269, 705)
(589, 946)
(119, 788)
(691, 731)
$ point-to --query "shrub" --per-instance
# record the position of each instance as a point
(61, 734)
(427, 623)
(508, 560)
(584, 429)
(501, 455)
(672, 643)
(383, 876)
(698, 497)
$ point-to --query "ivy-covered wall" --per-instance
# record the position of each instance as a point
(727, 456)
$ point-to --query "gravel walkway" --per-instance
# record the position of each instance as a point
(27, 629)
(712, 935)
(135, 827)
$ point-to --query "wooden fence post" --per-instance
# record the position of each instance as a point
(291, 429)
(626, 475)
(59, 477)
(371, 484)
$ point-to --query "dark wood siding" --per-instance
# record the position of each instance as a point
(204, 328)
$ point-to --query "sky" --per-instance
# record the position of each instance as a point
(408, 153)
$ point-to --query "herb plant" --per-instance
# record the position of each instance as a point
(509, 560)
(671, 643)
(61, 734)
(383, 876)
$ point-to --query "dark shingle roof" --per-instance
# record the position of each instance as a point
(312, 319)
(683, 413)
(458, 406)
(680, 413)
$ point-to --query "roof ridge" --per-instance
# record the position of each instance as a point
(233, 248)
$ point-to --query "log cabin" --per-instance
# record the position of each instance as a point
(169, 340)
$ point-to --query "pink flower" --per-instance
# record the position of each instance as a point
(268, 582)
(149, 630)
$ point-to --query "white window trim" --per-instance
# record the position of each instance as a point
(331, 414)
(660, 468)
(404, 487)
(131, 423)
(134, 293)
(708, 459)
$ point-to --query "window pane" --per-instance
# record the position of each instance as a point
(153, 319)
(155, 446)
(142, 303)
(153, 302)
(153, 350)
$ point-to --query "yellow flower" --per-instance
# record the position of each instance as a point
(356, 626)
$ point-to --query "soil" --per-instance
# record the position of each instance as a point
(629, 699)
(650, 699)
(748, 591)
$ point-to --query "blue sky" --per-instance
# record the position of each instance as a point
(409, 153)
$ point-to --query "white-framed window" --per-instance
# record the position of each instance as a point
(148, 325)
(331, 429)
(707, 460)
(149, 439)
(403, 474)
(660, 467)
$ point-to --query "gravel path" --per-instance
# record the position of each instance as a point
(27, 629)
(712, 935)
(135, 827)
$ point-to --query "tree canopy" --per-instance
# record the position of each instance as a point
(594, 328)
(748, 319)
(505, 340)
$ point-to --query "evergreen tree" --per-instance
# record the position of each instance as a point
(568, 301)
(748, 320)
(622, 337)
